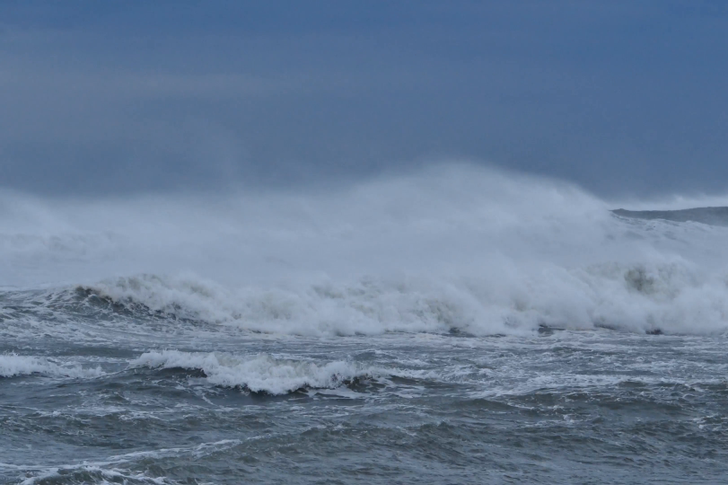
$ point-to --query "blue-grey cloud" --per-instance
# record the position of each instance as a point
(621, 97)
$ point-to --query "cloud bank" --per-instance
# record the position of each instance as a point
(621, 98)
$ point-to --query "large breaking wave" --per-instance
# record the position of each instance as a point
(451, 249)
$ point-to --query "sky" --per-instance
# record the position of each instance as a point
(135, 97)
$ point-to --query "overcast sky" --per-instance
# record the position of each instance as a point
(622, 97)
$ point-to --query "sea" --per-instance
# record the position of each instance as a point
(452, 325)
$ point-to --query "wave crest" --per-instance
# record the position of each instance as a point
(670, 297)
(22, 365)
(259, 374)
(453, 248)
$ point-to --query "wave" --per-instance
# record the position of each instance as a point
(717, 216)
(92, 474)
(675, 297)
(259, 374)
(115, 469)
(450, 249)
(671, 298)
(21, 365)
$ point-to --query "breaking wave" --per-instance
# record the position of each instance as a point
(451, 249)
(260, 374)
(21, 365)
(671, 298)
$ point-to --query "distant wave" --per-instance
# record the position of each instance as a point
(716, 216)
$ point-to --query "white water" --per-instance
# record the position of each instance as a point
(21, 365)
(259, 373)
(453, 247)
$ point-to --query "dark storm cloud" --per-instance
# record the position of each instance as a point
(148, 96)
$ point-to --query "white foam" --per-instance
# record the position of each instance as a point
(104, 471)
(21, 365)
(99, 475)
(672, 297)
(260, 373)
(452, 247)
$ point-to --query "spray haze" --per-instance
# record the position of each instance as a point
(453, 247)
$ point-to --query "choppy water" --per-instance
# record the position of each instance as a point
(419, 329)
(140, 404)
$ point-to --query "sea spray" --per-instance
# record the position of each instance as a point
(449, 249)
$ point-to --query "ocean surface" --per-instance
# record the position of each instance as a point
(456, 325)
